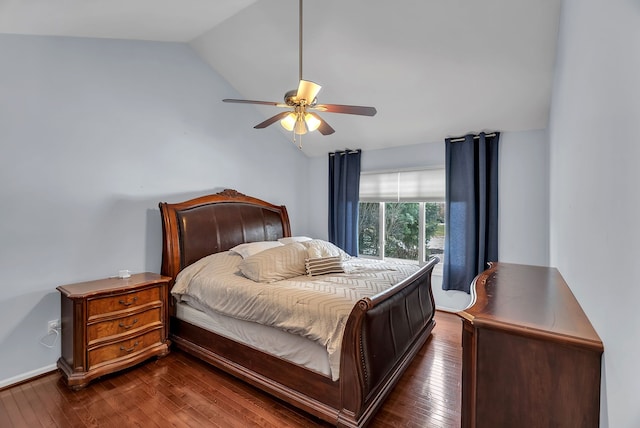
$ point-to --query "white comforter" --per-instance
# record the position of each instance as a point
(314, 307)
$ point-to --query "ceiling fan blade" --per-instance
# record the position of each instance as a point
(324, 128)
(272, 120)
(338, 108)
(266, 103)
(307, 90)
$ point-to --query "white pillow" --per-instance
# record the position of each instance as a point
(292, 239)
(251, 248)
(317, 248)
(275, 264)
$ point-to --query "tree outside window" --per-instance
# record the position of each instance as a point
(402, 222)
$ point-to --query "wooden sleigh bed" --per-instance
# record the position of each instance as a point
(381, 337)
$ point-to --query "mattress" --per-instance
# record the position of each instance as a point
(315, 308)
(291, 347)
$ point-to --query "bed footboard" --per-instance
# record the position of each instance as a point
(381, 337)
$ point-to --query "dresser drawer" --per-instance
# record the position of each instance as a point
(125, 348)
(105, 305)
(105, 330)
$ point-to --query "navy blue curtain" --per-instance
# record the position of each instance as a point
(344, 189)
(471, 218)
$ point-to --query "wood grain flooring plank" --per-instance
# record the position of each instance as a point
(5, 419)
(51, 402)
(44, 417)
(12, 408)
(28, 413)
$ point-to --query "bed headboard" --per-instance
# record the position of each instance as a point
(210, 224)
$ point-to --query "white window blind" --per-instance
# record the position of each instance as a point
(426, 185)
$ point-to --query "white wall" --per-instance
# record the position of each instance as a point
(523, 230)
(595, 202)
(93, 134)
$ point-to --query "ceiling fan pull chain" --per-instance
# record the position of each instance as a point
(299, 142)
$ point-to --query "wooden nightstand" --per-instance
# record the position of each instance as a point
(111, 324)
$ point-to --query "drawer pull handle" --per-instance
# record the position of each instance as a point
(122, 302)
(122, 348)
(127, 327)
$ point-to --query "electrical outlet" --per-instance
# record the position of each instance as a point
(53, 326)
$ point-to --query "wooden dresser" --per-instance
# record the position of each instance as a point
(112, 324)
(530, 356)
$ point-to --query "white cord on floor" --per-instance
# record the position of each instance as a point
(55, 338)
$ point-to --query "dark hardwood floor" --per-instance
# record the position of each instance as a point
(181, 391)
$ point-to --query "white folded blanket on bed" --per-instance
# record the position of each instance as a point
(314, 307)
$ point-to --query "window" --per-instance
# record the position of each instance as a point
(401, 214)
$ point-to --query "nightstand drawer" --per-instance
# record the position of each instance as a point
(105, 330)
(105, 305)
(124, 348)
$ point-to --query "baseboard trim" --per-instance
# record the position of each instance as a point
(446, 309)
(26, 377)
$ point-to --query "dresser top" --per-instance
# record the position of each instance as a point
(530, 300)
(82, 290)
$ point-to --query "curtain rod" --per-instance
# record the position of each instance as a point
(342, 152)
(475, 137)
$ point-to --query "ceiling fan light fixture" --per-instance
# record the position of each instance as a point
(300, 123)
(312, 122)
(289, 121)
(300, 127)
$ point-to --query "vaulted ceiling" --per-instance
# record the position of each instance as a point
(432, 68)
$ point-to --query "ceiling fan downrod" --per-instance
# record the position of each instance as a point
(300, 41)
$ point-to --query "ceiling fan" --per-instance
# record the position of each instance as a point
(302, 102)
